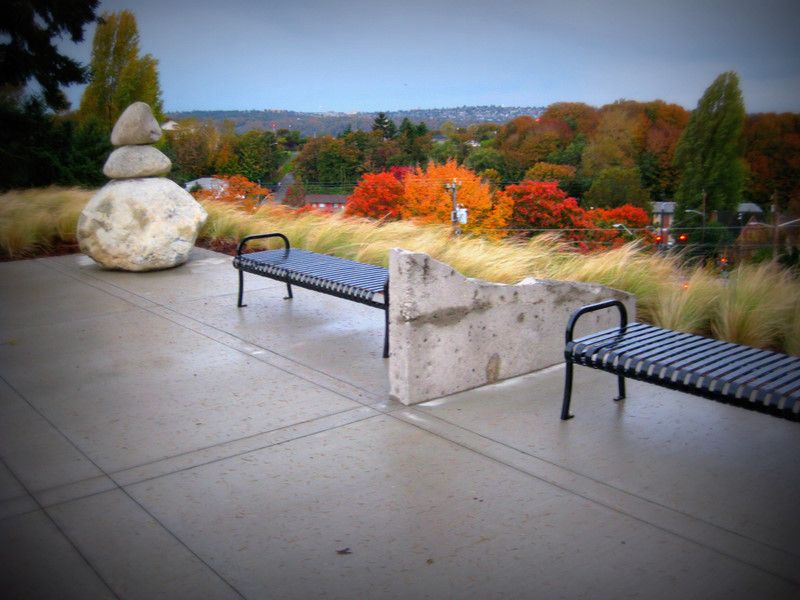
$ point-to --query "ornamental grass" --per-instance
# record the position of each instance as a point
(758, 305)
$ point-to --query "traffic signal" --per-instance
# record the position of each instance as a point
(659, 239)
(682, 238)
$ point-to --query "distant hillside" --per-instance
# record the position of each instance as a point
(333, 123)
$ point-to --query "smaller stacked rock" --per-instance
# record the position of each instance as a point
(139, 221)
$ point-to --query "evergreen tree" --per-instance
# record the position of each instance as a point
(119, 76)
(28, 51)
(709, 154)
(384, 126)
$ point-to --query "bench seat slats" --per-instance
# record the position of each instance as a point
(748, 377)
(345, 277)
(340, 277)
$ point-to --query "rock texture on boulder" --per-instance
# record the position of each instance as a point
(136, 161)
(140, 224)
(138, 221)
(451, 333)
(136, 125)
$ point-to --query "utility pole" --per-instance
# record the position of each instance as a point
(452, 187)
(776, 234)
(703, 231)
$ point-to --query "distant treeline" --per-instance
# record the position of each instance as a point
(334, 123)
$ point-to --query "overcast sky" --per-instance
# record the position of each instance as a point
(370, 55)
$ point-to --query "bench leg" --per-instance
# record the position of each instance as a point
(621, 384)
(289, 290)
(386, 336)
(386, 318)
(241, 288)
(567, 393)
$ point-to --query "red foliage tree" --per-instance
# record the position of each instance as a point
(377, 195)
(542, 205)
(632, 217)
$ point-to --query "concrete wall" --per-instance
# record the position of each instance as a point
(450, 333)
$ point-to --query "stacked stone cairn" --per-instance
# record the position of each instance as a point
(140, 220)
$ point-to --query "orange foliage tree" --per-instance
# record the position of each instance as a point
(426, 200)
(377, 195)
(237, 190)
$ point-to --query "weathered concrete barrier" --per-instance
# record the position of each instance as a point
(451, 333)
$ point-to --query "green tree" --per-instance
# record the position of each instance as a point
(29, 52)
(193, 147)
(616, 186)
(326, 160)
(258, 156)
(119, 76)
(481, 159)
(709, 154)
(384, 126)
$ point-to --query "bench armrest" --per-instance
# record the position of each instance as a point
(260, 236)
(623, 315)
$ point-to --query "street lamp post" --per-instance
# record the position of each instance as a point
(703, 216)
(622, 226)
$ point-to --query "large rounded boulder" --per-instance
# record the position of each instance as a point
(140, 224)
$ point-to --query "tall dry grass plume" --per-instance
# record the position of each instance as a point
(32, 221)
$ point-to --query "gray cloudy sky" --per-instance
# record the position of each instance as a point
(362, 55)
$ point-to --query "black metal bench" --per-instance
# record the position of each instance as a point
(756, 379)
(330, 275)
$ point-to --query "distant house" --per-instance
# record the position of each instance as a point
(664, 213)
(326, 202)
(170, 125)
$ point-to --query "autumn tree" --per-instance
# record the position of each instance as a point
(538, 206)
(607, 221)
(28, 50)
(377, 195)
(709, 153)
(192, 146)
(525, 141)
(564, 175)
(614, 142)
(119, 76)
(772, 143)
(425, 198)
(236, 190)
(665, 123)
(581, 117)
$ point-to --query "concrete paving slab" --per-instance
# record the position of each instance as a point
(14, 498)
(339, 338)
(38, 561)
(133, 553)
(33, 294)
(723, 465)
(205, 274)
(380, 508)
(40, 456)
(134, 388)
(240, 446)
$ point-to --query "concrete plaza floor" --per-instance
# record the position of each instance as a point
(156, 441)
